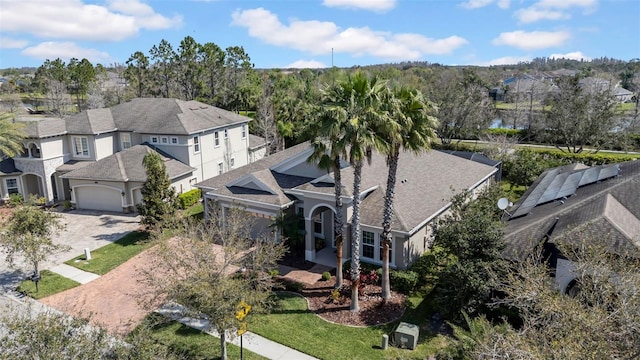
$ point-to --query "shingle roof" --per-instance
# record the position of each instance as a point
(126, 166)
(255, 142)
(171, 116)
(423, 188)
(91, 122)
(39, 128)
(605, 209)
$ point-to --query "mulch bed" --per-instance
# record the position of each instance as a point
(373, 310)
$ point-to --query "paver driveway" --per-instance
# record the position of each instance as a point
(83, 229)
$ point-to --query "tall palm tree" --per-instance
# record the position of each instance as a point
(355, 103)
(11, 136)
(414, 131)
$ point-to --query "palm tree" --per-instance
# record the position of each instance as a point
(414, 132)
(11, 136)
(356, 106)
(327, 153)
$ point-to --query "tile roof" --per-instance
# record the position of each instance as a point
(126, 166)
(609, 210)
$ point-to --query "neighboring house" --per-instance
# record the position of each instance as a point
(524, 87)
(600, 204)
(597, 85)
(286, 183)
(92, 158)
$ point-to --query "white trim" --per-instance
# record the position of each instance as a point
(73, 147)
(122, 142)
(292, 161)
(18, 186)
(324, 178)
(250, 178)
(319, 205)
(216, 139)
(196, 144)
(176, 139)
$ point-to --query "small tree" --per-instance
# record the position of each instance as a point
(28, 235)
(55, 336)
(472, 233)
(210, 269)
(158, 196)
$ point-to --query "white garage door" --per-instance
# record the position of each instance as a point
(98, 198)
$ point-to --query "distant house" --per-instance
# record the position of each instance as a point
(524, 86)
(597, 85)
(94, 158)
(599, 204)
(287, 183)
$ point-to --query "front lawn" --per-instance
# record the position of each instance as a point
(192, 343)
(197, 211)
(291, 323)
(111, 256)
(50, 283)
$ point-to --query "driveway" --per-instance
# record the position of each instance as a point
(82, 229)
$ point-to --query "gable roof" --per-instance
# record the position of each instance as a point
(91, 122)
(127, 166)
(423, 188)
(608, 210)
(38, 128)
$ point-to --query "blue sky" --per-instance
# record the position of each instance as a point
(302, 33)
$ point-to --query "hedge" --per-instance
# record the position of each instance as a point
(189, 198)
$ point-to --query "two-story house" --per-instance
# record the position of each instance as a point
(94, 158)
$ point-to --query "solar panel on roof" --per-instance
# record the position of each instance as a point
(609, 171)
(554, 187)
(570, 185)
(590, 176)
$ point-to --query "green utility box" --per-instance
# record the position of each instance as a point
(406, 336)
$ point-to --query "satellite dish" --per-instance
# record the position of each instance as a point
(503, 203)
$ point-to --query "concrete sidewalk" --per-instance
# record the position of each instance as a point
(74, 274)
(252, 342)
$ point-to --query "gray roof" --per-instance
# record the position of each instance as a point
(39, 128)
(424, 185)
(608, 210)
(255, 142)
(171, 116)
(8, 167)
(126, 166)
(91, 122)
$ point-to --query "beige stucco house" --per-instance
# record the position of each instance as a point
(94, 158)
(287, 183)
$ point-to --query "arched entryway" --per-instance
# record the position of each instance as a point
(32, 185)
(320, 235)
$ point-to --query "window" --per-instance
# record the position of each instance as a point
(220, 168)
(301, 219)
(125, 140)
(368, 244)
(244, 131)
(232, 162)
(196, 144)
(174, 141)
(390, 251)
(216, 138)
(12, 186)
(154, 139)
(164, 140)
(80, 146)
(226, 134)
(317, 224)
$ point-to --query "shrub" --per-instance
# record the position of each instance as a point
(185, 200)
(274, 272)
(326, 276)
(290, 285)
(14, 200)
(430, 264)
(403, 281)
(66, 206)
(364, 268)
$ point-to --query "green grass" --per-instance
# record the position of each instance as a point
(193, 343)
(292, 324)
(111, 256)
(50, 283)
(197, 211)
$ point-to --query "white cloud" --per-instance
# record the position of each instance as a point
(475, 4)
(506, 60)
(373, 5)
(553, 10)
(306, 64)
(575, 55)
(9, 43)
(318, 37)
(73, 19)
(533, 14)
(532, 40)
(65, 51)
